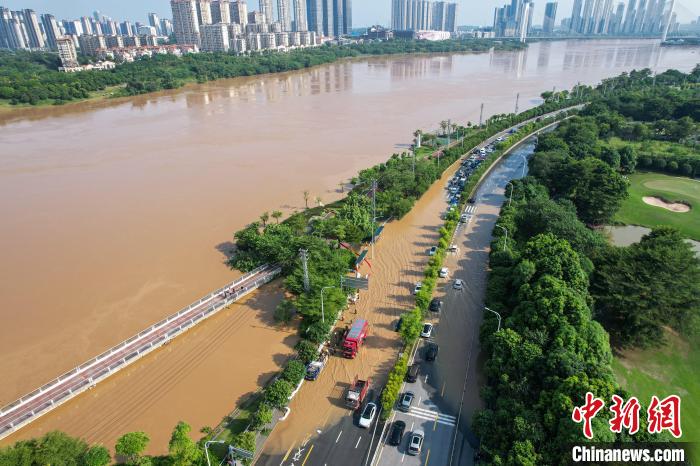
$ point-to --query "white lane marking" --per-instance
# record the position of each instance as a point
(403, 457)
(341, 433)
(431, 412)
(426, 378)
(432, 418)
(358, 441)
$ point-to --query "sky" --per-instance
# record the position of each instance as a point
(365, 12)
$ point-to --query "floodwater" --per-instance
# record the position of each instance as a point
(624, 235)
(118, 213)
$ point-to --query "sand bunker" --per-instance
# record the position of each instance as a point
(672, 206)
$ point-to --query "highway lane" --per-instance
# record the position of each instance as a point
(453, 380)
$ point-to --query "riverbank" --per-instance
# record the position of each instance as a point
(32, 77)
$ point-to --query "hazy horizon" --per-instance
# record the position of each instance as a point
(365, 12)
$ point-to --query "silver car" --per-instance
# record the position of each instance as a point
(415, 444)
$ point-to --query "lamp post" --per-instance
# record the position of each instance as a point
(206, 448)
(510, 199)
(323, 315)
(497, 315)
(506, 241)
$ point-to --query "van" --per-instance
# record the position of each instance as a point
(412, 373)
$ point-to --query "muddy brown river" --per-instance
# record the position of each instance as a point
(118, 213)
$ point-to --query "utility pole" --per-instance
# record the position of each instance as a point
(481, 116)
(413, 151)
(374, 212)
(517, 102)
(305, 266)
(449, 125)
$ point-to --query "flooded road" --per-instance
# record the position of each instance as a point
(115, 214)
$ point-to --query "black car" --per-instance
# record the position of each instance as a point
(396, 434)
(471, 200)
(435, 305)
(432, 352)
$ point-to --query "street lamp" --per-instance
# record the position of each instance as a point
(323, 315)
(510, 199)
(206, 448)
(497, 315)
(506, 241)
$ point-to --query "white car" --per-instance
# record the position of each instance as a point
(368, 415)
(432, 251)
(418, 287)
(444, 272)
(453, 249)
(499, 138)
(415, 444)
(458, 284)
(427, 330)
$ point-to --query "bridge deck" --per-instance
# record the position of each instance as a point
(51, 395)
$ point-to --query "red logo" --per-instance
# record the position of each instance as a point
(625, 415)
(587, 412)
(665, 415)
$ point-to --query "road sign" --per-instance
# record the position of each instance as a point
(245, 454)
(358, 283)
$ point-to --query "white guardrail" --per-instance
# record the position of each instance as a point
(266, 272)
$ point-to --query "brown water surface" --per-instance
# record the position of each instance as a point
(117, 213)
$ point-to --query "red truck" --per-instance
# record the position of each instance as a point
(355, 337)
(356, 393)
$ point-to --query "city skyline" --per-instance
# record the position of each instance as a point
(365, 12)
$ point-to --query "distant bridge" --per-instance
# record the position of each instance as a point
(53, 394)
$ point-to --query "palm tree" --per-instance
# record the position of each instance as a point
(306, 198)
(276, 214)
(265, 217)
(417, 134)
(443, 126)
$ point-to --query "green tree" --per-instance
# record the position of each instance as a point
(284, 311)
(264, 217)
(131, 445)
(294, 371)
(640, 288)
(277, 215)
(59, 448)
(277, 393)
(307, 351)
(97, 456)
(245, 441)
(261, 418)
(183, 450)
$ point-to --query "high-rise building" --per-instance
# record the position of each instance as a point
(550, 17)
(328, 18)
(90, 44)
(126, 29)
(67, 52)
(52, 31)
(154, 22)
(239, 13)
(639, 17)
(204, 11)
(215, 37)
(628, 24)
(300, 19)
(166, 27)
(284, 15)
(513, 20)
(266, 9)
(185, 22)
(416, 15)
(221, 11)
(73, 27)
(576, 18)
(314, 15)
(35, 37)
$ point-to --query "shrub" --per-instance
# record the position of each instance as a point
(277, 393)
(294, 372)
(306, 350)
(261, 417)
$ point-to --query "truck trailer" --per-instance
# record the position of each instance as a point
(355, 337)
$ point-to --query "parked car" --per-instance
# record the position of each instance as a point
(368, 415)
(458, 284)
(471, 200)
(417, 288)
(412, 373)
(453, 249)
(432, 352)
(415, 444)
(427, 330)
(435, 305)
(444, 272)
(396, 435)
(463, 218)
(432, 251)
(499, 138)
(406, 401)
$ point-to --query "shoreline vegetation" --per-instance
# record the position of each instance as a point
(31, 79)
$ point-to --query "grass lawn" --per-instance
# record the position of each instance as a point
(670, 370)
(635, 211)
(656, 147)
